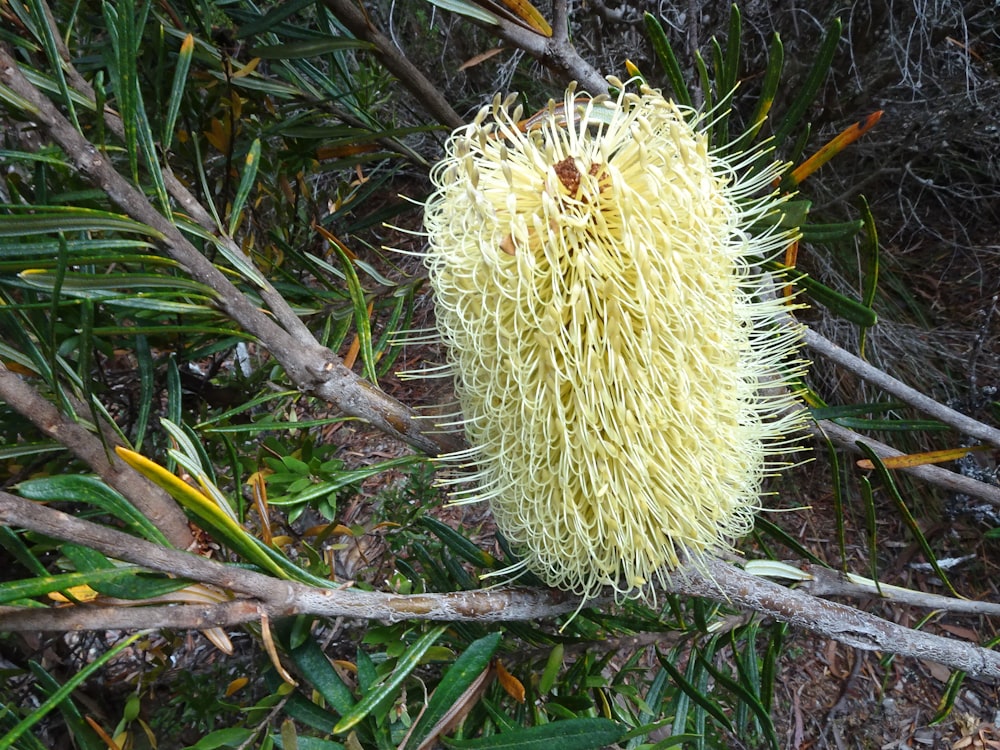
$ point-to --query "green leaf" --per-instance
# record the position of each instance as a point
(834, 232)
(84, 735)
(361, 322)
(845, 307)
(46, 33)
(273, 17)
(177, 90)
(870, 252)
(217, 522)
(321, 675)
(250, 167)
(48, 219)
(229, 737)
(458, 543)
(765, 100)
(807, 92)
(93, 492)
(469, 10)
(692, 691)
(893, 425)
(42, 585)
(890, 485)
(454, 683)
(311, 48)
(66, 690)
(748, 696)
(571, 734)
(392, 684)
(552, 666)
(665, 53)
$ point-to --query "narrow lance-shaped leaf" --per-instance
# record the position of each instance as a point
(177, 91)
(870, 250)
(388, 688)
(47, 37)
(571, 734)
(247, 179)
(454, 683)
(64, 692)
(665, 53)
(906, 515)
(833, 147)
(224, 528)
(807, 93)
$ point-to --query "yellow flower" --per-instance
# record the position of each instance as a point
(621, 362)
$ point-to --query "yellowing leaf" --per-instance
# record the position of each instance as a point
(920, 459)
(529, 15)
(236, 685)
(513, 686)
(81, 593)
(834, 146)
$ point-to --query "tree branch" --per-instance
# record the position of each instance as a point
(154, 503)
(353, 16)
(313, 368)
(115, 617)
(949, 480)
(557, 54)
(711, 578)
(727, 583)
(842, 357)
(827, 582)
(280, 598)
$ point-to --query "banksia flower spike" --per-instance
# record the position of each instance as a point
(622, 364)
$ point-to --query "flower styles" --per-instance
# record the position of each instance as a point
(621, 362)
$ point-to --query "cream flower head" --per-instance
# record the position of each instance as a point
(622, 364)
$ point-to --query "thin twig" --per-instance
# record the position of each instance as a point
(827, 582)
(889, 384)
(948, 480)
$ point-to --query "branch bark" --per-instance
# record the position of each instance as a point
(353, 16)
(828, 582)
(556, 53)
(842, 357)
(313, 368)
(711, 578)
(948, 480)
(155, 504)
